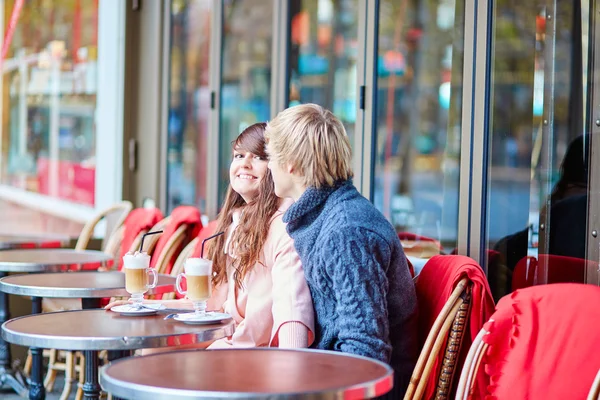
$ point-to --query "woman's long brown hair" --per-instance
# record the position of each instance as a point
(249, 237)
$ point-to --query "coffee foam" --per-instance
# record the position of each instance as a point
(136, 260)
(197, 266)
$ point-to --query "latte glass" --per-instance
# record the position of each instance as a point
(137, 272)
(197, 275)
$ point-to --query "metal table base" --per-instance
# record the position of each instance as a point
(8, 376)
(159, 334)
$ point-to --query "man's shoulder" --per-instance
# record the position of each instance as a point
(360, 215)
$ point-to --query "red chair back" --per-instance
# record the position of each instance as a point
(137, 221)
(207, 231)
(435, 284)
(543, 343)
(188, 215)
(530, 271)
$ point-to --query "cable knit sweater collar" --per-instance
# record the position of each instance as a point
(311, 200)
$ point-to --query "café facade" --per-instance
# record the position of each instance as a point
(461, 113)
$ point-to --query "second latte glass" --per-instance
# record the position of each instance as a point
(198, 276)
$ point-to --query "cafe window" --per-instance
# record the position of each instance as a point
(539, 150)
(417, 139)
(189, 103)
(323, 53)
(49, 89)
(245, 75)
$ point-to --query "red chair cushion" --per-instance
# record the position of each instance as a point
(543, 343)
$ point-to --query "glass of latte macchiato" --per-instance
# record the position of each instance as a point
(197, 275)
(137, 271)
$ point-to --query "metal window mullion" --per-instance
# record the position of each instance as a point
(214, 126)
(368, 132)
(593, 121)
(547, 135)
(359, 128)
(279, 59)
(164, 106)
(475, 117)
(464, 198)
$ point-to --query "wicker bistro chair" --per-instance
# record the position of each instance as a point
(454, 303)
(446, 335)
(540, 343)
(114, 216)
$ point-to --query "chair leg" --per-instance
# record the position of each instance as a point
(69, 375)
(51, 374)
(27, 366)
(79, 395)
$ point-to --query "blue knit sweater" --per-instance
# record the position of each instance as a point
(364, 297)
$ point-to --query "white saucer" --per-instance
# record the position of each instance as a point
(207, 319)
(132, 311)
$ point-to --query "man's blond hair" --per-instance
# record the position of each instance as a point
(313, 141)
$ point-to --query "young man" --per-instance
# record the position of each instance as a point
(363, 294)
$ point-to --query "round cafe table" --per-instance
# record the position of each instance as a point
(41, 260)
(249, 374)
(90, 286)
(93, 330)
(53, 260)
(20, 241)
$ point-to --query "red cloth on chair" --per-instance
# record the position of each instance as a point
(138, 220)
(209, 230)
(543, 343)
(180, 215)
(435, 284)
(561, 269)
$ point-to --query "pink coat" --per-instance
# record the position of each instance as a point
(270, 296)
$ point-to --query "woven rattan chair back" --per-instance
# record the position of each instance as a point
(447, 318)
(113, 217)
(453, 347)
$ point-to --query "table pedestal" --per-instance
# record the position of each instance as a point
(91, 387)
(36, 386)
(7, 376)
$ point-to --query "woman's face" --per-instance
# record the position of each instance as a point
(245, 173)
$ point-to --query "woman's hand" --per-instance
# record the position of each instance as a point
(116, 303)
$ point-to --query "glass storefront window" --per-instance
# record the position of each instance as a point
(419, 101)
(49, 87)
(189, 103)
(322, 60)
(246, 74)
(538, 159)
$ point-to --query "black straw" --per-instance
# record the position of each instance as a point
(208, 238)
(144, 237)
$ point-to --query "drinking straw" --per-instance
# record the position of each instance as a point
(205, 240)
(144, 237)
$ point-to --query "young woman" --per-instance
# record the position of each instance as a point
(257, 275)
